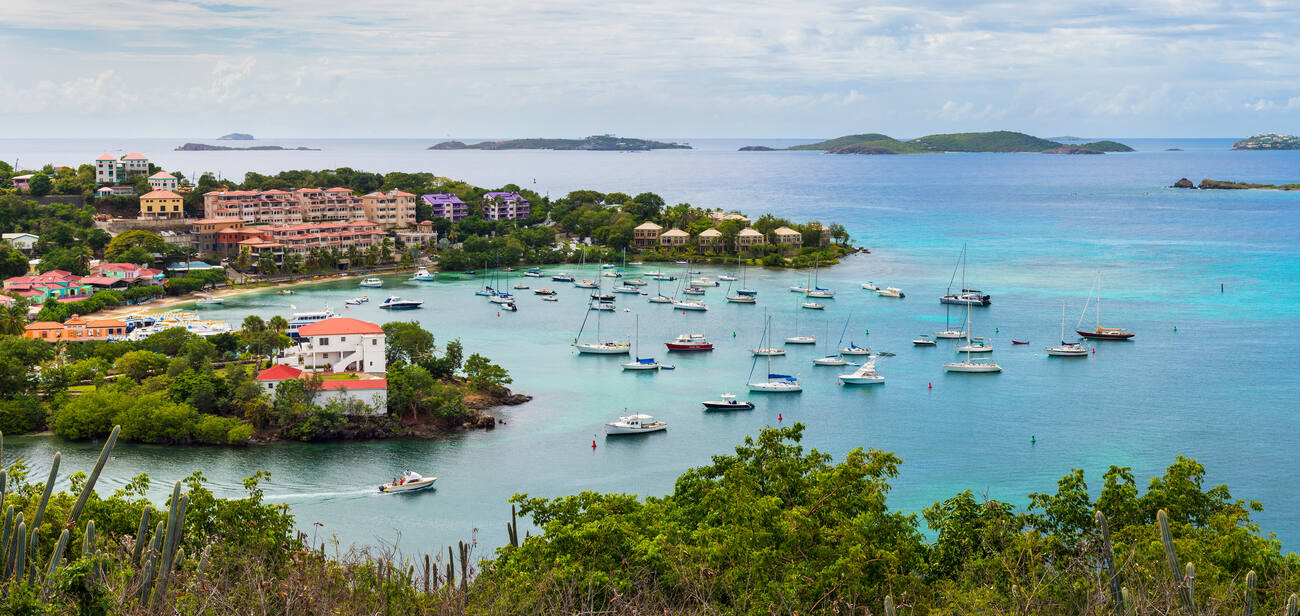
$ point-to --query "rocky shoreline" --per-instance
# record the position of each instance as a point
(1208, 184)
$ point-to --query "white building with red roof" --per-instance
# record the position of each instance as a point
(110, 169)
(340, 344)
(164, 181)
(372, 391)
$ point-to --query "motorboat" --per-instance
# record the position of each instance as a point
(605, 306)
(971, 297)
(798, 289)
(561, 278)
(521, 286)
(664, 277)
(410, 481)
(864, 375)
(298, 319)
(634, 424)
(509, 306)
(208, 300)
(727, 277)
(975, 345)
(627, 289)
(371, 282)
(607, 266)
(924, 340)
(690, 304)
(422, 275)
(870, 286)
(728, 403)
(543, 292)
(693, 290)
(613, 274)
(890, 292)
(550, 298)
(690, 342)
(661, 299)
(393, 302)
(704, 281)
(587, 283)
(742, 299)
(533, 274)
(813, 306)
(284, 292)
(854, 349)
(357, 301)
(635, 282)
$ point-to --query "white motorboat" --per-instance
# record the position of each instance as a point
(924, 340)
(410, 481)
(634, 424)
(550, 298)
(613, 274)
(969, 365)
(728, 403)
(775, 383)
(532, 274)
(864, 375)
(1067, 349)
(607, 266)
(397, 303)
(812, 306)
(890, 292)
(357, 301)
(690, 304)
(605, 306)
(298, 319)
(371, 282)
(561, 277)
(870, 286)
(208, 300)
(704, 281)
(727, 277)
(798, 289)
(422, 275)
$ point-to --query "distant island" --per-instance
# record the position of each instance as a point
(1208, 184)
(996, 141)
(756, 148)
(595, 143)
(1268, 141)
(236, 137)
(203, 147)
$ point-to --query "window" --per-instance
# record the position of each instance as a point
(374, 342)
(324, 341)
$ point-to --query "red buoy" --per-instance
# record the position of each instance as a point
(593, 443)
(929, 385)
(778, 417)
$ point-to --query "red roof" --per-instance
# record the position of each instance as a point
(160, 194)
(135, 156)
(346, 385)
(339, 326)
(102, 280)
(399, 193)
(279, 372)
(338, 189)
(106, 157)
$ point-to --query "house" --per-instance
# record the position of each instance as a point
(646, 234)
(391, 209)
(161, 205)
(55, 284)
(423, 234)
(163, 181)
(748, 239)
(76, 329)
(129, 272)
(124, 190)
(25, 242)
(505, 205)
(710, 238)
(111, 170)
(446, 205)
(373, 392)
(340, 344)
(43, 330)
(22, 182)
(183, 268)
(789, 239)
(721, 216)
(105, 329)
(674, 237)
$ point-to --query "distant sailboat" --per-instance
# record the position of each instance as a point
(640, 363)
(775, 383)
(972, 365)
(1067, 349)
(798, 339)
(599, 347)
(1100, 333)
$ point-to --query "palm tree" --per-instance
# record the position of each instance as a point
(13, 319)
(254, 323)
(277, 324)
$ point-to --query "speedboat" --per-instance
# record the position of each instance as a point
(603, 348)
(975, 345)
(704, 281)
(661, 299)
(284, 292)
(586, 283)
(728, 403)
(890, 292)
(606, 306)
(561, 278)
(607, 266)
(634, 424)
(521, 286)
(422, 275)
(864, 375)
(543, 292)
(396, 303)
(1067, 349)
(768, 352)
(777, 384)
(799, 289)
(372, 282)
(693, 290)
(854, 349)
(509, 306)
(870, 286)
(924, 340)
(801, 340)
(727, 277)
(967, 297)
(642, 363)
(410, 481)
(613, 274)
(533, 273)
(690, 304)
(550, 298)
(813, 306)
(742, 299)
(357, 301)
(690, 342)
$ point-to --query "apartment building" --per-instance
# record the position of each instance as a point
(505, 205)
(389, 210)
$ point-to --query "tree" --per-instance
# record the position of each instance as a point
(483, 374)
(278, 324)
(407, 342)
(12, 261)
(253, 323)
(75, 259)
(140, 365)
(39, 185)
(645, 206)
(137, 255)
(13, 318)
(407, 387)
(151, 242)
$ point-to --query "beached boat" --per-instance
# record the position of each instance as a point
(370, 282)
(1099, 332)
(728, 403)
(634, 424)
(422, 275)
(410, 481)
(690, 342)
(393, 302)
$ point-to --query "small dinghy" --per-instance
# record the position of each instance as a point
(1019, 342)
(410, 481)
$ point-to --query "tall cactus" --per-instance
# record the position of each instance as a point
(54, 560)
(11, 546)
(1249, 610)
(88, 543)
(49, 489)
(1292, 605)
(4, 539)
(889, 605)
(1185, 584)
(1129, 608)
(20, 553)
(168, 559)
(89, 488)
(1189, 587)
(1108, 561)
(451, 567)
(512, 529)
(140, 536)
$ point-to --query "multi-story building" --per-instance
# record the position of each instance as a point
(674, 237)
(340, 344)
(278, 207)
(646, 235)
(206, 232)
(391, 209)
(161, 204)
(372, 391)
(710, 238)
(446, 205)
(789, 239)
(749, 239)
(163, 181)
(506, 205)
(422, 235)
(112, 170)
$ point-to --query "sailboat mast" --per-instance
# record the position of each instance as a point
(968, 341)
(1098, 301)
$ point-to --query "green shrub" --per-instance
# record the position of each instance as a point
(90, 415)
(21, 415)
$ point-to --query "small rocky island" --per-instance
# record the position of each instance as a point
(1208, 184)
(594, 143)
(756, 148)
(236, 137)
(1268, 141)
(1001, 141)
(203, 147)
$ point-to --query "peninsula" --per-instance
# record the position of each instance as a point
(996, 141)
(1268, 141)
(235, 137)
(595, 143)
(203, 147)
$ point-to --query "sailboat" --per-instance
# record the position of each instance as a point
(743, 295)
(1100, 333)
(1067, 349)
(769, 351)
(971, 365)
(687, 303)
(487, 290)
(968, 297)
(796, 338)
(829, 359)
(599, 347)
(853, 348)
(948, 332)
(744, 280)
(640, 363)
(775, 383)
(815, 290)
(659, 297)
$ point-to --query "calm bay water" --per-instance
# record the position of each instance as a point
(1208, 375)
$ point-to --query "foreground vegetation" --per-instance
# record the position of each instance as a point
(770, 529)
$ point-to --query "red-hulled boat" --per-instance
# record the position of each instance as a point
(690, 342)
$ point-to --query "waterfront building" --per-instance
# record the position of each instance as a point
(76, 329)
(710, 238)
(112, 170)
(749, 239)
(163, 181)
(446, 205)
(25, 242)
(371, 391)
(389, 210)
(130, 273)
(339, 344)
(505, 205)
(789, 239)
(161, 205)
(423, 234)
(58, 285)
(646, 235)
(207, 234)
(279, 207)
(674, 238)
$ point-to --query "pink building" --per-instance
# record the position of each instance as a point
(280, 207)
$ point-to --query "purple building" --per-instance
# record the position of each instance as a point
(507, 205)
(446, 205)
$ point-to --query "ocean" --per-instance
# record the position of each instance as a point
(1208, 375)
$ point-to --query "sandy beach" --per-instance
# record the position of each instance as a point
(168, 303)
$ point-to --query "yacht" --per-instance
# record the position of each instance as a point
(208, 300)
(728, 403)
(854, 349)
(950, 334)
(661, 299)
(820, 293)
(586, 283)
(627, 289)
(923, 340)
(543, 292)
(971, 297)
(422, 275)
(727, 277)
(357, 301)
(693, 290)
(775, 383)
(740, 298)
(890, 292)
(813, 306)
(393, 302)
(605, 306)
(640, 363)
(828, 359)
(372, 282)
(870, 286)
(690, 304)
(690, 342)
(603, 348)
(409, 482)
(798, 289)
(635, 282)
(298, 319)
(768, 352)
(704, 281)
(561, 277)
(1100, 333)
(634, 424)
(864, 375)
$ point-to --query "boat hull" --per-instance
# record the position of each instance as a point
(949, 334)
(974, 349)
(1095, 335)
(718, 405)
(674, 346)
(640, 366)
(966, 301)
(855, 351)
(830, 361)
(1066, 352)
(389, 488)
(603, 349)
(624, 431)
(849, 379)
(776, 388)
(769, 352)
(801, 340)
(972, 368)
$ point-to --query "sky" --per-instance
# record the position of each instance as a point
(669, 68)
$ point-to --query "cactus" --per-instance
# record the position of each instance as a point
(1129, 608)
(4, 538)
(512, 529)
(89, 488)
(1292, 605)
(54, 560)
(88, 543)
(464, 566)
(140, 535)
(1188, 576)
(146, 577)
(1189, 588)
(451, 567)
(49, 489)
(889, 605)
(203, 563)
(1249, 610)
(11, 546)
(171, 543)
(1108, 561)
(20, 553)
(426, 573)
(4, 483)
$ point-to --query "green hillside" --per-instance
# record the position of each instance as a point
(996, 141)
(1106, 146)
(843, 141)
(878, 146)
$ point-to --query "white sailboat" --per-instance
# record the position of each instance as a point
(1067, 349)
(815, 289)
(742, 296)
(599, 347)
(972, 365)
(638, 362)
(775, 383)
(829, 359)
(948, 332)
(853, 348)
(796, 338)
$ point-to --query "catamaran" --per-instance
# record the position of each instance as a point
(1100, 333)
(967, 297)
(775, 383)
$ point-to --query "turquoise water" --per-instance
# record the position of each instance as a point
(1209, 375)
